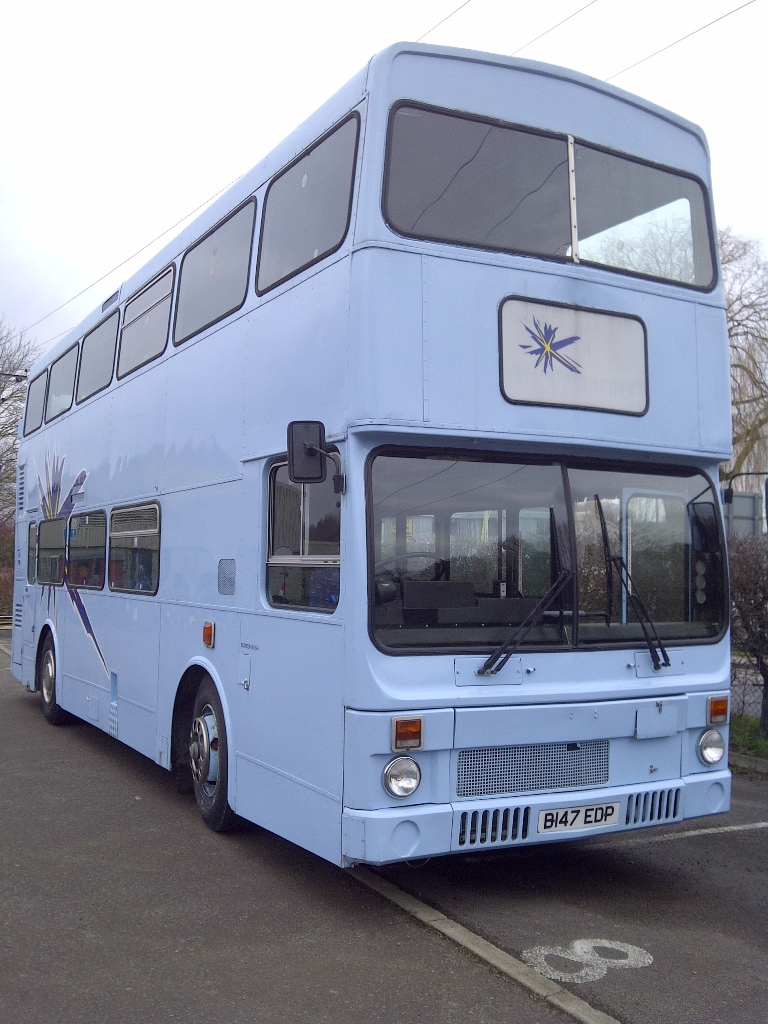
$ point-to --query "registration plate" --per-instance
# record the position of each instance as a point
(563, 819)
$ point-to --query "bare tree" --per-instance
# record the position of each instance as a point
(745, 280)
(16, 355)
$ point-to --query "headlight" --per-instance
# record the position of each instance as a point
(401, 777)
(711, 747)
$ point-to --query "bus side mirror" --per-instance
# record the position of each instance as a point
(306, 452)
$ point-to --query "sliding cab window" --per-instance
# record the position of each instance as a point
(61, 388)
(50, 551)
(97, 358)
(214, 275)
(308, 207)
(33, 416)
(145, 325)
(134, 549)
(304, 543)
(87, 550)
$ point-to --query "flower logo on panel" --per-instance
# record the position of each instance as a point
(547, 349)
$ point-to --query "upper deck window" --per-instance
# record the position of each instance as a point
(457, 178)
(308, 207)
(214, 275)
(145, 325)
(640, 218)
(97, 358)
(460, 179)
(61, 389)
(35, 403)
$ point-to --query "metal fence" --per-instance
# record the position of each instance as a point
(746, 688)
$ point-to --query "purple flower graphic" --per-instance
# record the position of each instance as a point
(547, 349)
(54, 508)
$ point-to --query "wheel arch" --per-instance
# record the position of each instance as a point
(181, 721)
(46, 631)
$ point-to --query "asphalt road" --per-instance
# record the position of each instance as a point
(118, 905)
(669, 926)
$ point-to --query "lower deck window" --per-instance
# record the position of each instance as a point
(134, 549)
(50, 551)
(87, 549)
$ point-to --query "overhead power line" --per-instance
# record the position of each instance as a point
(128, 260)
(427, 33)
(552, 28)
(680, 40)
(443, 20)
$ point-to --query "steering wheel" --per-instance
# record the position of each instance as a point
(440, 564)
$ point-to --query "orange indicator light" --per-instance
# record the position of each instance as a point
(717, 711)
(407, 734)
(209, 633)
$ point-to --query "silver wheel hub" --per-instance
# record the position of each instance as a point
(204, 749)
(48, 677)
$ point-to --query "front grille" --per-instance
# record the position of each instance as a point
(651, 808)
(494, 826)
(492, 771)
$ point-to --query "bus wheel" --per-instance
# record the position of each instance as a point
(46, 683)
(208, 758)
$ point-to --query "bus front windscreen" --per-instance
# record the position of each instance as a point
(466, 550)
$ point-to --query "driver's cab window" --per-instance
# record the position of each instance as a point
(304, 543)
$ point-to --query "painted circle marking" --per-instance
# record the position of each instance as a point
(593, 966)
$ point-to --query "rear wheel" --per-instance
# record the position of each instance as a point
(46, 683)
(208, 755)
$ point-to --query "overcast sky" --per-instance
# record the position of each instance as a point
(118, 119)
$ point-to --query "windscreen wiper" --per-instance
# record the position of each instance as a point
(501, 656)
(656, 648)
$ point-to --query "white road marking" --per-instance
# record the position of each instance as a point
(519, 972)
(643, 840)
(593, 966)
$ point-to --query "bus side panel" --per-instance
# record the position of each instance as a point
(289, 728)
(130, 639)
(295, 360)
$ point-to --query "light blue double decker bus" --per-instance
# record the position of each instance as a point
(381, 506)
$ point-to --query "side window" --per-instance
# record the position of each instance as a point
(35, 403)
(87, 549)
(308, 207)
(304, 543)
(134, 549)
(61, 389)
(31, 552)
(214, 275)
(50, 551)
(145, 325)
(97, 358)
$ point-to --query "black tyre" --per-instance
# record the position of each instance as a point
(209, 758)
(46, 683)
